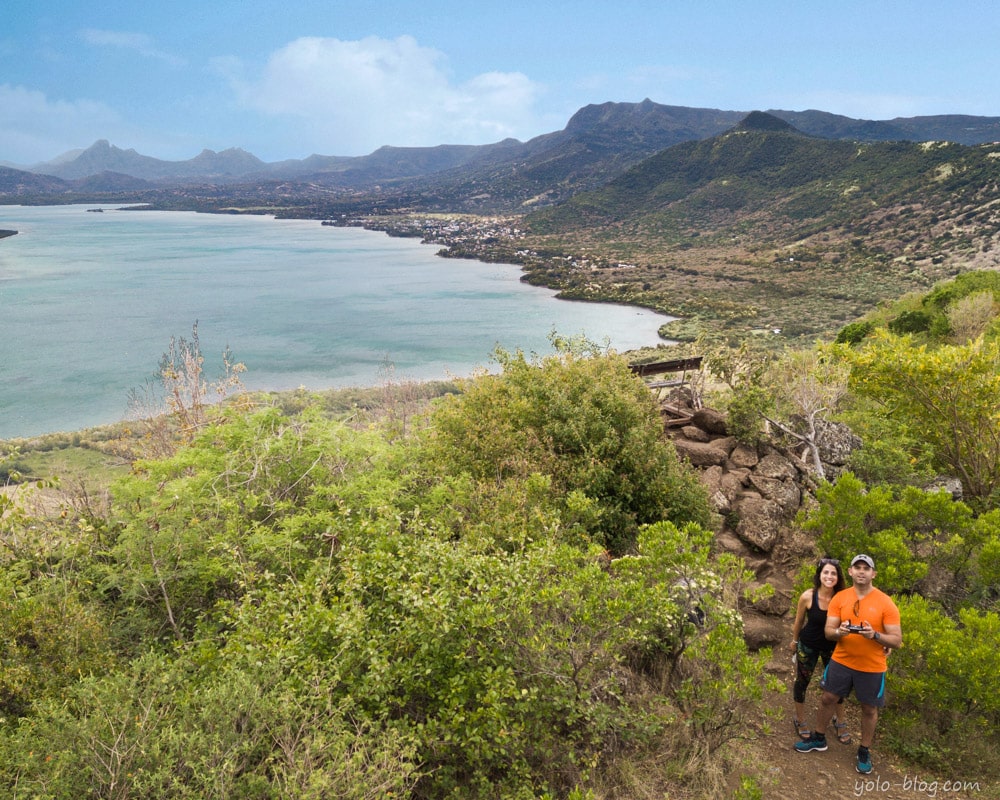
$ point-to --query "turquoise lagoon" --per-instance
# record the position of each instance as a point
(90, 301)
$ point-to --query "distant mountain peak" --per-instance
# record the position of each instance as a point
(763, 122)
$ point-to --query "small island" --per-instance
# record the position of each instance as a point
(4, 234)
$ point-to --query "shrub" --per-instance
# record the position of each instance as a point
(943, 681)
(853, 332)
(587, 423)
(910, 322)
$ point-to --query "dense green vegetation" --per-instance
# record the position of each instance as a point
(300, 605)
(514, 593)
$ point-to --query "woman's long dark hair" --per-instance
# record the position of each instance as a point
(840, 575)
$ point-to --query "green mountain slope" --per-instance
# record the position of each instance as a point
(763, 222)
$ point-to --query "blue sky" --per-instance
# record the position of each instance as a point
(288, 78)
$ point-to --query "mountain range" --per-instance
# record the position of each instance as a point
(598, 142)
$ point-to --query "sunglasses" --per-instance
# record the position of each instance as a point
(832, 561)
(857, 607)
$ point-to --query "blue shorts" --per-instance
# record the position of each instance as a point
(869, 687)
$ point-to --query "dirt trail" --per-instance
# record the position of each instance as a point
(790, 775)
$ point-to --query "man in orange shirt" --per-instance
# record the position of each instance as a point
(864, 622)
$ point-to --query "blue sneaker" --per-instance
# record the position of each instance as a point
(815, 742)
(864, 765)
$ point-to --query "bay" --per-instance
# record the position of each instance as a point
(89, 302)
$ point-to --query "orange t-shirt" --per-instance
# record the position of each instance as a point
(877, 609)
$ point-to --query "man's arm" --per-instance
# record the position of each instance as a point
(833, 630)
(892, 637)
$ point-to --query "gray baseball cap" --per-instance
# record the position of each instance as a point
(862, 557)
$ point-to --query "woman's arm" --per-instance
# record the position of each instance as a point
(805, 600)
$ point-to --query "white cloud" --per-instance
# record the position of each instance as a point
(350, 97)
(35, 128)
(139, 43)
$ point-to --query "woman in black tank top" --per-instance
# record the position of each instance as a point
(809, 642)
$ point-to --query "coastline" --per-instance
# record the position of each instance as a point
(410, 324)
(494, 239)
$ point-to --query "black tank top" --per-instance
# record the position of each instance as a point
(812, 635)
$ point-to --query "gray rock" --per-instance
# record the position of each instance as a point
(708, 419)
(785, 493)
(760, 522)
(776, 466)
(948, 484)
(835, 441)
(700, 454)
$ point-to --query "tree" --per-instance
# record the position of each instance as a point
(807, 387)
(180, 395)
(950, 394)
(586, 423)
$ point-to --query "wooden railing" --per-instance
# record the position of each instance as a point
(681, 365)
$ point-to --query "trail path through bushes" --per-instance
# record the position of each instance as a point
(831, 775)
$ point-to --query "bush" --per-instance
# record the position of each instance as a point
(587, 424)
(910, 322)
(853, 332)
(922, 542)
(944, 681)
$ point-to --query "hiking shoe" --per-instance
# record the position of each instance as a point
(864, 765)
(815, 742)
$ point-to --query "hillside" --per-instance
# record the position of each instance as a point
(16, 184)
(413, 596)
(765, 227)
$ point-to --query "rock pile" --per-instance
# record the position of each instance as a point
(757, 492)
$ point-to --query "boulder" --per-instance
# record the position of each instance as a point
(708, 419)
(720, 502)
(700, 454)
(728, 543)
(945, 483)
(774, 606)
(835, 442)
(695, 434)
(760, 631)
(711, 478)
(727, 443)
(737, 478)
(760, 522)
(785, 493)
(732, 486)
(774, 465)
(744, 456)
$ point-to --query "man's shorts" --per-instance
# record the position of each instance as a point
(869, 687)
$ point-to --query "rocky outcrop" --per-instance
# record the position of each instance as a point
(757, 493)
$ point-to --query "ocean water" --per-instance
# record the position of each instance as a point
(89, 303)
